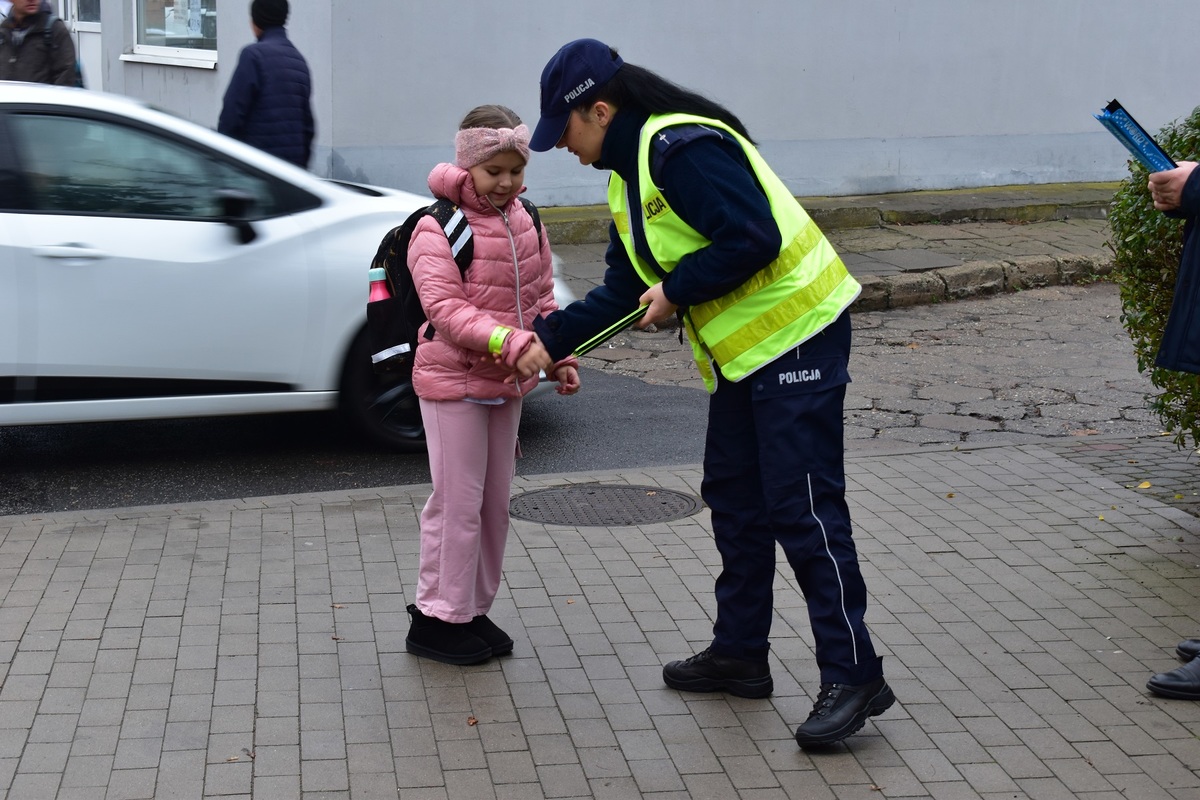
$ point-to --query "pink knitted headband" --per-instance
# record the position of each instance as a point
(475, 145)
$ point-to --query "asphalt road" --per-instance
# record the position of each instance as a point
(1045, 363)
(617, 421)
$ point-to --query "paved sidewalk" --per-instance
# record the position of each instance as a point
(1022, 594)
(255, 648)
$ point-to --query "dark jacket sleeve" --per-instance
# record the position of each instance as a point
(709, 184)
(240, 95)
(564, 330)
(63, 60)
(310, 132)
(1189, 200)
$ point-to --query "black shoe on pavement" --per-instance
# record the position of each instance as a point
(841, 710)
(492, 635)
(708, 672)
(447, 642)
(1182, 683)
(1188, 649)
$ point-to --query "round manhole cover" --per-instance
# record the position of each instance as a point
(587, 504)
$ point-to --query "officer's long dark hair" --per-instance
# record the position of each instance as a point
(637, 87)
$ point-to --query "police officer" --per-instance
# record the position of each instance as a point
(703, 229)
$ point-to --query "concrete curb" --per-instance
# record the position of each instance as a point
(977, 279)
(1014, 204)
(1031, 203)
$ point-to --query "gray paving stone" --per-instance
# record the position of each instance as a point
(1018, 632)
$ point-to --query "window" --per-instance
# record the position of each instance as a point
(182, 32)
(75, 165)
(89, 11)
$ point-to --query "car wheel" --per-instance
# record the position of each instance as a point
(382, 407)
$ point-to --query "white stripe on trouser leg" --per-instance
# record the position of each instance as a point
(836, 570)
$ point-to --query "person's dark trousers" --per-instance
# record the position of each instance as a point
(774, 472)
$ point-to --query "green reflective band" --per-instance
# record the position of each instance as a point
(795, 309)
(611, 331)
(496, 343)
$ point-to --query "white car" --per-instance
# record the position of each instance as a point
(151, 267)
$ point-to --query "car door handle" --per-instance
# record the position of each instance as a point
(69, 251)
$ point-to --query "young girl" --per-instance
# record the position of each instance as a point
(470, 378)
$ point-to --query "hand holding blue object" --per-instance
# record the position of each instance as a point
(1135, 138)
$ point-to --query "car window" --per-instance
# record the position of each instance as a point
(93, 166)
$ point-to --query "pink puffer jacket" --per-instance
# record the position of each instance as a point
(466, 311)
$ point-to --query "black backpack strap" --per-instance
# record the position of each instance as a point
(457, 229)
(537, 218)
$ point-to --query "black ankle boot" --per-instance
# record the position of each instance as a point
(841, 710)
(708, 672)
(491, 633)
(443, 641)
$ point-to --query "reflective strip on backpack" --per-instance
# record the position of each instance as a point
(383, 355)
(458, 232)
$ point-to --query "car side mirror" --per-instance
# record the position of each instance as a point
(235, 212)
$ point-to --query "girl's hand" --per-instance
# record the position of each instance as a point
(568, 380)
(533, 360)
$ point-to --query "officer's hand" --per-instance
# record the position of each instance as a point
(660, 308)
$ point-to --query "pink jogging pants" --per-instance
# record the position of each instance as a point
(464, 526)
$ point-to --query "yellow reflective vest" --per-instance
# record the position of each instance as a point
(794, 297)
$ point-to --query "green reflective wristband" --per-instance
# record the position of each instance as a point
(496, 343)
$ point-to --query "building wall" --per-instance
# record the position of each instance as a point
(844, 96)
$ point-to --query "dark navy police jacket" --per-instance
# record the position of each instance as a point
(707, 180)
(267, 103)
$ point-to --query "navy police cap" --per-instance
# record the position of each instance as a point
(576, 71)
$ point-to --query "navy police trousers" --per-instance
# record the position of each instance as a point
(774, 472)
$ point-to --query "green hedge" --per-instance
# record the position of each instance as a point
(1147, 244)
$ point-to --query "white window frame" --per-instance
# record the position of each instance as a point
(77, 24)
(171, 56)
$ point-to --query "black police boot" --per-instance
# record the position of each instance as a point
(708, 672)
(1182, 683)
(491, 633)
(447, 642)
(841, 710)
(1188, 649)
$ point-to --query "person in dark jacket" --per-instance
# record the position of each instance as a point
(268, 101)
(28, 54)
(1176, 192)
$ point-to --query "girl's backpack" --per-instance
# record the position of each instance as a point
(393, 324)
